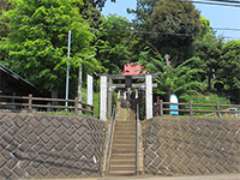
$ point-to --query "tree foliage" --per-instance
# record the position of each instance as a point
(180, 80)
(229, 74)
(169, 26)
(115, 43)
(209, 49)
(36, 45)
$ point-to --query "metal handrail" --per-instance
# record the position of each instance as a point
(110, 142)
(137, 139)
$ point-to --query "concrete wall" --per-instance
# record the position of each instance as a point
(49, 146)
(191, 147)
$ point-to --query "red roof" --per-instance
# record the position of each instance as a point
(133, 70)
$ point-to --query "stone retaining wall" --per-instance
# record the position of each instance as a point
(49, 146)
(191, 147)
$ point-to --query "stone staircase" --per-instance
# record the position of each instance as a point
(123, 156)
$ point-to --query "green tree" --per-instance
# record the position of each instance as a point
(181, 80)
(4, 5)
(229, 74)
(91, 10)
(36, 45)
(209, 49)
(115, 43)
(168, 26)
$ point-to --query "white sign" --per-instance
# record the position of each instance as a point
(103, 98)
(89, 90)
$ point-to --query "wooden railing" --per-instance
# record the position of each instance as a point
(30, 104)
(161, 108)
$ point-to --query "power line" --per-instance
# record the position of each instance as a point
(212, 3)
(226, 29)
(225, 1)
(162, 33)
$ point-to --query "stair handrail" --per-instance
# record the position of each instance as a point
(137, 139)
(109, 141)
(139, 158)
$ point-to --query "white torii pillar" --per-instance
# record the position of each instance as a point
(103, 98)
(149, 96)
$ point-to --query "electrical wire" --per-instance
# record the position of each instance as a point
(225, 1)
(211, 3)
(154, 32)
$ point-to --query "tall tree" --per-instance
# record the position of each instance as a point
(4, 5)
(181, 80)
(36, 44)
(208, 48)
(229, 74)
(91, 10)
(115, 43)
(168, 26)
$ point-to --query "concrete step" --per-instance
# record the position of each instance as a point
(125, 155)
(122, 132)
(122, 173)
(124, 141)
(122, 167)
(125, 123)
(122, 161)
(124, 136)
(126, 128)
(123, 151)
(125, 145)
(128, 166)
(129, 158)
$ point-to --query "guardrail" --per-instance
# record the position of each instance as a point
(30, 103)
(161, 108)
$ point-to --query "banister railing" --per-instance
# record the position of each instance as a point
(31, 103)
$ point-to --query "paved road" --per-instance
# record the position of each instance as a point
(218, 177)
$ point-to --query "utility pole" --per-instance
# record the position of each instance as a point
(68, 68)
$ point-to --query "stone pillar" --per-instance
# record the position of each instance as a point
(149, 96)
(89, 90)
(103, 98)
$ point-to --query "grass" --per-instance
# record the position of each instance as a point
(207, 99)
(96, 101)
(211, 99)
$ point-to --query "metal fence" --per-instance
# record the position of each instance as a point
(39, 104)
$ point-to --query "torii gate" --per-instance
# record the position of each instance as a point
(107, 87)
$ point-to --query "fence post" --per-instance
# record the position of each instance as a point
(161, 107)
(30, 102)
(218, 109)
(190, 108)
(76, 101)
(157, 107)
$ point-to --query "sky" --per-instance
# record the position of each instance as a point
(219, 16)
